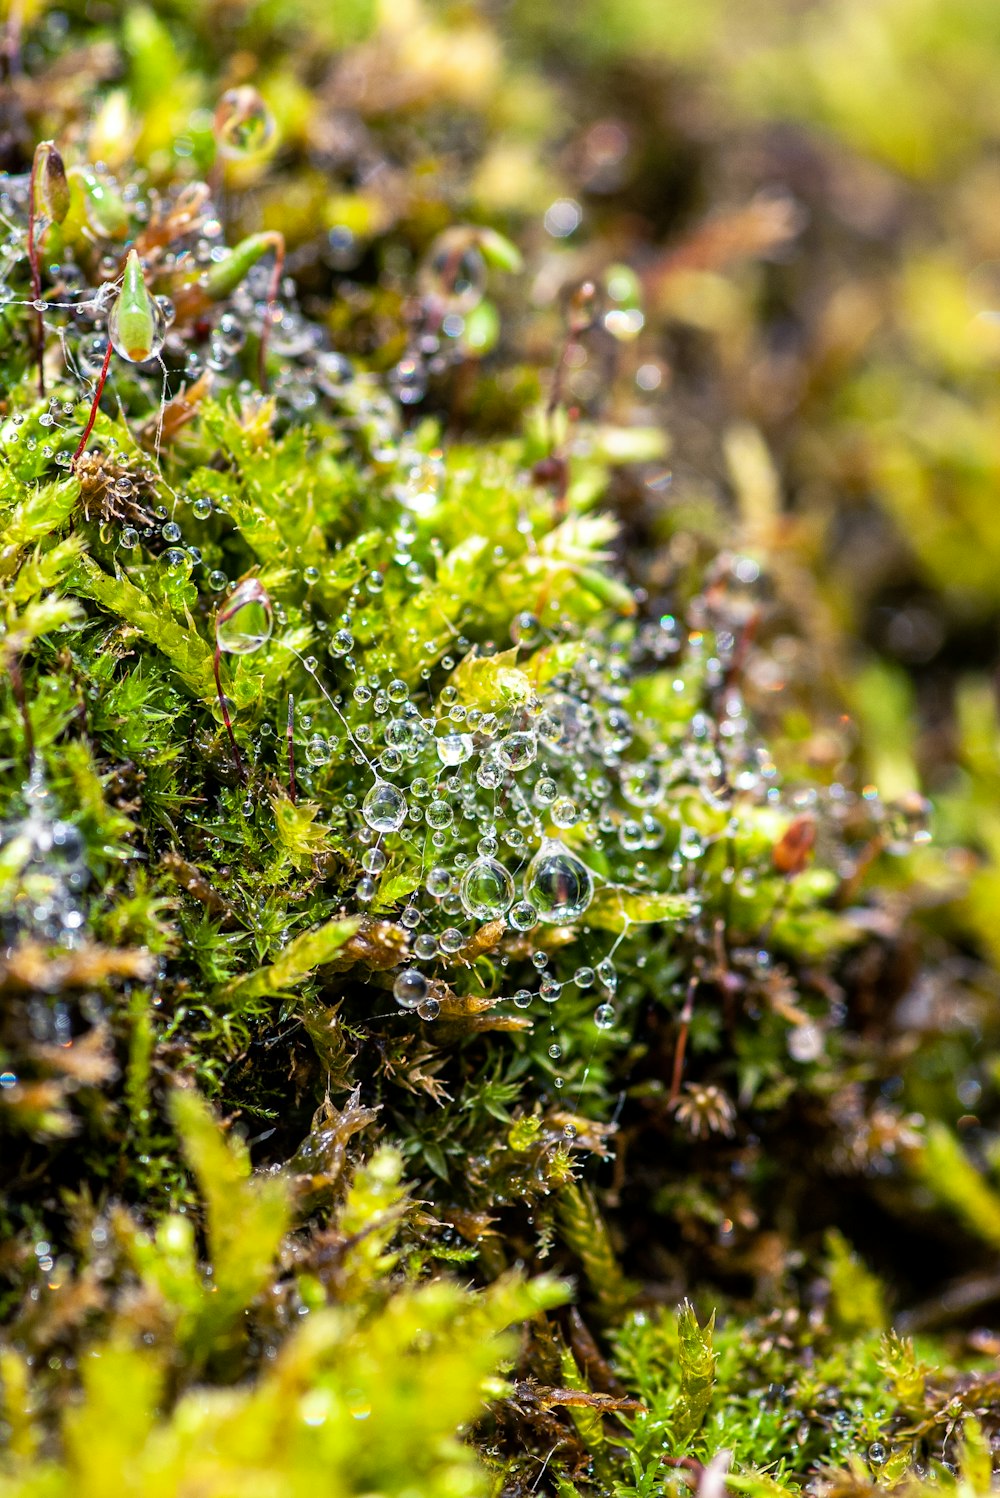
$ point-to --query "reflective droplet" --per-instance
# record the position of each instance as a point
(907, 822)
(410, 988)
(516, 751)
(525, 629)
(642, 785)
(384, 807)
(244, 623)
(454, 748)
(558, 884)
(453, 275)
(243, 124)
(523, 916)
(486, 889)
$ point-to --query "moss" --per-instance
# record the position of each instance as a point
(448, 923)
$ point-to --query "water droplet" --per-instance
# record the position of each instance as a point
(487, 889)
(805, 1042)
(243, 624)
(608, 974)
(525, 629)
(453, 275)
(410, 988)
(558, 884)
(604, 1016)
(384, 807)
(690, 844)
(907, 822)
(439, 815)
(516, 751)
(565, 813)
(243, 124)
(454, 748)
(642, 784)
(523, 916)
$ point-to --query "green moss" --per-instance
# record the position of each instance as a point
(447, 920)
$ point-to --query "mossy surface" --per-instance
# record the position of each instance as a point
(482, 1007)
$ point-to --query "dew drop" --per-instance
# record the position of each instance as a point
(558, 884)
(384, 807)
(410, 988)
(486, 889)
(243, 124)
(244, 623)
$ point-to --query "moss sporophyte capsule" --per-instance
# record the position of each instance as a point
(136, 325)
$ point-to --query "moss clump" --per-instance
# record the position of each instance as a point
(417, 921)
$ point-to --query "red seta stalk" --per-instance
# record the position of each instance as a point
(216, 662)
(93, 410)
(290, 736)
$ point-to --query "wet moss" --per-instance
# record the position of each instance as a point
(442, 889)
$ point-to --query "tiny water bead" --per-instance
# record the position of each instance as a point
(558, 884)
(244, 623)
(487, 889)
(384, 807)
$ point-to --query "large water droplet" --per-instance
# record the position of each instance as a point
(244, 622)
(410, 988)
(517, 751)
(384, 807)
(453, 275)
(243, 124)
(558, 884)
(487, 889)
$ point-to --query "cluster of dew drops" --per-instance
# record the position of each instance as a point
(518, 814)
(523, 813)
(82, 305)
